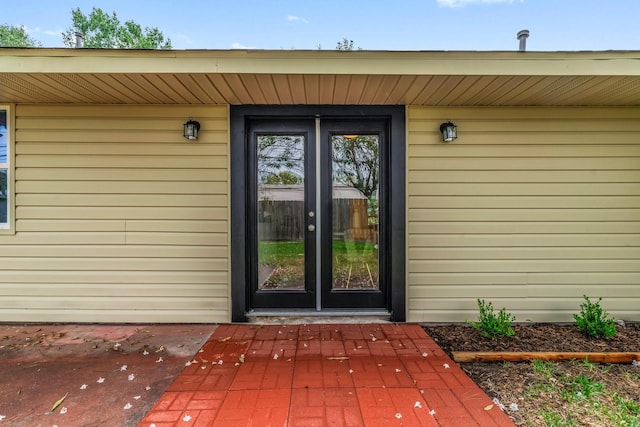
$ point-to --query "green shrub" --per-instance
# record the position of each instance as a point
(593, 321)
(491, 325)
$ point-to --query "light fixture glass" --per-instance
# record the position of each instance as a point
(449, 131)
(191, 129)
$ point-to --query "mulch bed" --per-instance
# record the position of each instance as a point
(512, 383)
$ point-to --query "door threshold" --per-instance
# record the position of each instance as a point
(298, 317)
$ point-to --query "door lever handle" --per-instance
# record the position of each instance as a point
(311, 227)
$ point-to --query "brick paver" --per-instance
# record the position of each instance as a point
(323, 375)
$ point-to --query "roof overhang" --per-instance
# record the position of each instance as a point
(97, 76)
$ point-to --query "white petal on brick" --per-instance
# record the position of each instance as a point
(100, 380)
(186, 418)
(160, 360)
(188, 363)
(2, 417)
(398, 415)
(132, 377)
(123, 367)
(63, 410)
(145, 353)
(424, 354)
(83, 387)
(417, 404)
(147, 388)
(446, 366)
(128, 406)
(275, 356)
(398, 370)
(432, 412)
(137, 397)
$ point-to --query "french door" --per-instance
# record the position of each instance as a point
(317, 210)
(317, 204)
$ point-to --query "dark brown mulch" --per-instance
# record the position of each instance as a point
(534, 337)
(515, 383)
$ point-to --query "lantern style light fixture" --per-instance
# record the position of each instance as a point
(449, 131)
(191, 128)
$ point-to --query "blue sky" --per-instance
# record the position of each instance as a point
(555, 25)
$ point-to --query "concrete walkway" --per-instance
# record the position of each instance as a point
(323, 375)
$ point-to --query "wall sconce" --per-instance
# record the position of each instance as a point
(191, 128)
(449, 131)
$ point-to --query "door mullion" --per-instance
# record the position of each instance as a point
(318, 218)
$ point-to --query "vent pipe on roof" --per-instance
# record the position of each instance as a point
(522, 36)
(78, 35)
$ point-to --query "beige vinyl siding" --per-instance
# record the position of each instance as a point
(118, 217)
(530, 208)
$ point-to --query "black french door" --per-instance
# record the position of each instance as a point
(317, 203)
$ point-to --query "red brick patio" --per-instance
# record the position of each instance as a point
(323, 375)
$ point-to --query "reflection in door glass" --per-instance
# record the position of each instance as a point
(355, 172)
(281, 222)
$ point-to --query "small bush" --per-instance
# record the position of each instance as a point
(491, 325)
(593, 321)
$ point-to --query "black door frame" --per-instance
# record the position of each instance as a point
(396, 243)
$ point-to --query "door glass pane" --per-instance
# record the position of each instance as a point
(355, 172)
(281, 221)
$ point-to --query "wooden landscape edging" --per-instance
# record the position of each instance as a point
(511, 356)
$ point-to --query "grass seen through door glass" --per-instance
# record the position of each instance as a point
(352, 262)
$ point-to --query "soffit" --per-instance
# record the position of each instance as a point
(72, 76)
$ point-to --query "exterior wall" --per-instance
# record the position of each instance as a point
(118, 217)
(530, 208)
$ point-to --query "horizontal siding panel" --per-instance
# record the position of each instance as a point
(121, 148)
(501, 253)
(66, 238)
(116, 135)
(559, 227)
(533, 125)
(419, 152)
(520, 163)
(522, 189)
(572, 279)
(116, 278)
(114, 251)
(516, 304)
(164, 238)
(432, 136)
(416, 114)
(117, 264)
(179, 226)
(569, 241)
(115, 113)
(511, 290)
(122, 200)
(501, 176)
(55, 212)
(121, 187)
(531, 266)
(25, 225)
(524, 215)
(125, 302)
(111, 314)
(122, 174)
(120, 161)
(533, 202)
(86, 123)
(202, 290)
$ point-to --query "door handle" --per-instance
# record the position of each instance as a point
(311, 227)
